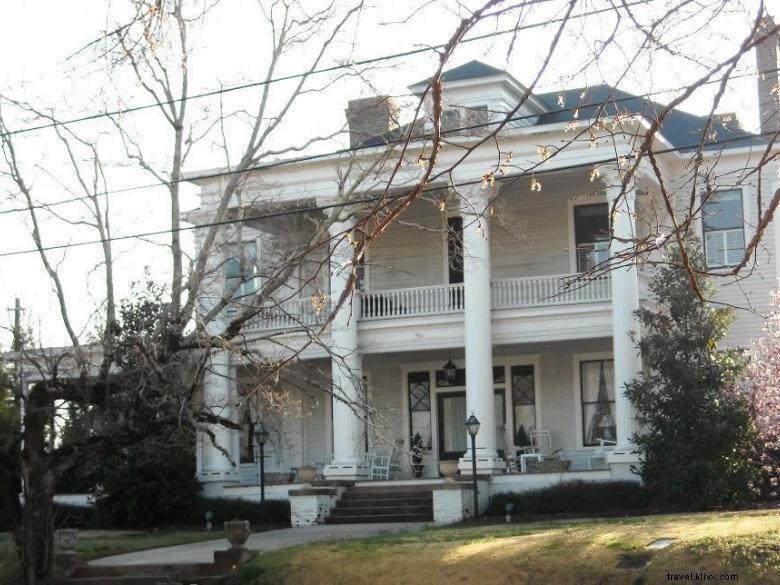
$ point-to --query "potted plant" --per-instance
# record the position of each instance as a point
(521, 438)
(417, 455)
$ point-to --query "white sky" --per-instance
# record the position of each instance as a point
(38, 36)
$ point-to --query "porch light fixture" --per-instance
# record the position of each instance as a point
(450, 370)
(261, 436)
(472, 426)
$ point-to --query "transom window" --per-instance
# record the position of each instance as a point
(723, 227)
(591, 234)
(597, 387)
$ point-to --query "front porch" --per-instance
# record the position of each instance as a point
(566, 388)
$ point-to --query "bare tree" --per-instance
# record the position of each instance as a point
(141, 371)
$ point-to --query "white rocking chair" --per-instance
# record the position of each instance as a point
(379, 463)
(541, 446)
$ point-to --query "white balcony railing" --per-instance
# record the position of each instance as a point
(290, 314)
(563, 289)
(510, 293)
(409, 302)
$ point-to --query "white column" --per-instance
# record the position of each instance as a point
(478, 338)
(346, 367)
(625, 303)
(215, 469)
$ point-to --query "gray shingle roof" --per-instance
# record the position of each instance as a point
(470, 70)
(682, 129)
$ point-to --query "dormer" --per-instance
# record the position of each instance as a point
(476, 93)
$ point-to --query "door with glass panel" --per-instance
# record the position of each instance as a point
(452, 429)
(451, 407)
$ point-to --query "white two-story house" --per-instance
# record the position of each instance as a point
(471, 302)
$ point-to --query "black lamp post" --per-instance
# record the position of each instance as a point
(261, 436)
(472, 426)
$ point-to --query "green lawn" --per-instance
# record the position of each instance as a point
(574, 552)
(103, 544)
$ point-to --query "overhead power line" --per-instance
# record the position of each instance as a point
(390, 142)
(364, 200)
(329, 69)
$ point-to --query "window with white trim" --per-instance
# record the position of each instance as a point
(241, 270)
(597, 397)
(591, 234)
(723, 226)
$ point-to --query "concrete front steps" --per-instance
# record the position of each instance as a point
(187, 574)
(383, 503)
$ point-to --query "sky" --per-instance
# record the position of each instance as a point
(49, 68)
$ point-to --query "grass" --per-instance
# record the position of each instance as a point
(581, 552)
(102, 544)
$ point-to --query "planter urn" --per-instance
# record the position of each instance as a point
(306, 474)
(237, 532)
(66, 540)
(449, 469)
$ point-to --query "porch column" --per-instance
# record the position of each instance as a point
(346, 366)
(477, 331)
(215, 469)
(625, 302)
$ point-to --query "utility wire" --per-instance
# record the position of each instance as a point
(371, 199)
(329, 69)
(389, 142)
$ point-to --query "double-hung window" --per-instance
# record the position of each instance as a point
(591, 233)
(723, 227)
(241, 272)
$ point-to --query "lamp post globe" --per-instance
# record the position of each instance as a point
(472, 425)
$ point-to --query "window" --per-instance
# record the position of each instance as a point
(419, 385)
(723, 226)
(597, 388)
(591, 235)
(241, 270)
(455, 249)
(361, 274)
(523, 403)
(247, 451)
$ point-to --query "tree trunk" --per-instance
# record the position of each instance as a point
(37, 530)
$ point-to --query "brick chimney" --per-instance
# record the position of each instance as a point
(768, 89)
(370, 117)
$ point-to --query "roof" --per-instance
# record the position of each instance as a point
(470, 70)
(682, 129)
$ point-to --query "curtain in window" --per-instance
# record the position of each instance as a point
(454, 417)
(598, 401)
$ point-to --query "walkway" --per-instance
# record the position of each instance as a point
(202, 552)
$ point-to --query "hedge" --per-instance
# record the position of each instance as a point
(574, 497)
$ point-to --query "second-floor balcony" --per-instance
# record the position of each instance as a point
(424, 301)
